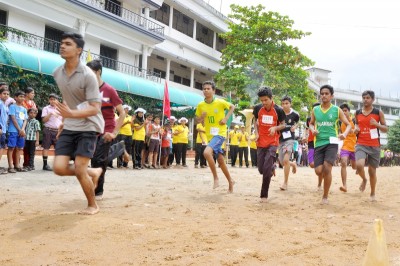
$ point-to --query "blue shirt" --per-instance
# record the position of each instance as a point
(3, 117)
(20, 114)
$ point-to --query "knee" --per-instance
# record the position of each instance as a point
(59, 170)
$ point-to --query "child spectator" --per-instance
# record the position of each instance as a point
(32, 139)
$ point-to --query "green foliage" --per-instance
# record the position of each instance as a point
(257, 53)
(394, 137)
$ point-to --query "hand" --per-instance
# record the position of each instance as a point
(341, 136)
(64, 110)
(315, 132)
(204, 115)
(356, 130)
(373, 122)
(272, 131)
(37, 143)
(108, 137)
(256, 137)
(223, 122)
(21, 133)
(293, 128)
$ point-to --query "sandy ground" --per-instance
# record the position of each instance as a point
(173, 217)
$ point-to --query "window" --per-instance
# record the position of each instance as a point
(385, 110)
(161, 15)
(198, 85)
(183, 23)
(177, 79)
(113, 6)
(395, 111)
(221, 44)
(52, 39)
(3, 17)
(204, 35)
(162, 73)
(186, 82)
(108, 56)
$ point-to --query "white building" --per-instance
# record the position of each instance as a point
(141, 42)
(390, 107)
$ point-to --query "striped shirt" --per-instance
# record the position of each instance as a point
(31, 128)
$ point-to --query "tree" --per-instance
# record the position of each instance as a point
(394, 137)
(257, 54)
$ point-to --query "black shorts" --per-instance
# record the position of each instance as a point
(49, 137)
(154, 145)
(326, 153)
(73, 143)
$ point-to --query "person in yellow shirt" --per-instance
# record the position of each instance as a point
(212, 112)
(125, 134)
(253, 149)
(181, 133)
(234, 144)
(201, 144)
(243, 146)
(172, 155)
(139, 134)
(349, 147)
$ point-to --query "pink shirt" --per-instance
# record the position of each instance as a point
(55, 120)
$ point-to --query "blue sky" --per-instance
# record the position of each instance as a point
(359, 41)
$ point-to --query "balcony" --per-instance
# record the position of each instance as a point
(37, 42)
(122, 15)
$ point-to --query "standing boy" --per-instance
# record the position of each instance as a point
(269, 120)
(16, 130)
(212, 112)
(370, 121)
(82, 118)
(32, 138)
(324, 126)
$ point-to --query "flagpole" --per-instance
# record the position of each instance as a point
(162, 124)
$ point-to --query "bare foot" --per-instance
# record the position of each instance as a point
(263, 200)
(231, 184)
(372, 198)
(363, 185)
(343, 188)
(319, 188)
(283, 187)
(90, 210)
(216, 183)
(99, 197)
(94, 174)
(324, 201)
(294, 168)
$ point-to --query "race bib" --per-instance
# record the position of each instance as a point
(21, 115)
(214, 131)
(267, 119)
(374, 133)
(286, 134)
(334, 140)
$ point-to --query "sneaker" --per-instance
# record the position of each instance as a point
(20, 169)
(47, 168)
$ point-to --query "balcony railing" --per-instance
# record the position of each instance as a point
(37, 42)
(124, 14)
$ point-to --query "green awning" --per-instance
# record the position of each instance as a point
(45, 63)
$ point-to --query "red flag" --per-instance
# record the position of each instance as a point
(166, 102)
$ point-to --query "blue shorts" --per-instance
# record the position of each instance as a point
(216, 144)
(3, 141)
(14, 140)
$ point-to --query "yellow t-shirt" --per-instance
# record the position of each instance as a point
(201, 136)
(253, 144)
(243, 139)
(183, 136)
(174, 137)
(215, 113)
(139, 134)
(234, 137)
(126, 128)
(349, 143)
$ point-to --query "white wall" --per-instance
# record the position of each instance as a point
(26, 23)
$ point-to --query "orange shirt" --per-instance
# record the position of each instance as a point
(267, 119)
(368, 135)
(349, 143)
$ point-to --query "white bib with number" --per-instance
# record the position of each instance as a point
(286, 134)
(333, 140)
(374, 133)
(214, 131)
(267, 119)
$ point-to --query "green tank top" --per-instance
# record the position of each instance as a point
(327, 124)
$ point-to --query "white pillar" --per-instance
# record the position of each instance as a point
(192, 77)
(171, 17)
(82, 25)
(168, 69)
(215, 41)
(144, 57)
(194, 29)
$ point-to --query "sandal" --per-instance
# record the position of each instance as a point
(11, 170)
(21, 169)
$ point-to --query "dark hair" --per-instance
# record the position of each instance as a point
(95, 65)
(53, 95)
(28, 90)
(286, 98)
(3, 83)
(156, 116)
(265, 91)
(76, 37)
(329, 87)
(209, 82)
(18, 93)
(370, 93)
(4, 89)
(32, 110)
(344, 105)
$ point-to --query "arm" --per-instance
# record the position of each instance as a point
(46, 115)
(381, 125)
(37, 138)
(312, 123)
(110, 136)
(93, 108)
(230, 112)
